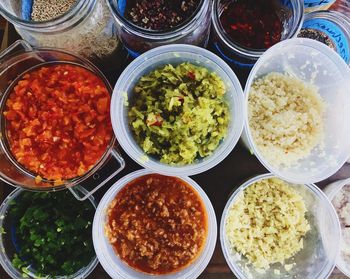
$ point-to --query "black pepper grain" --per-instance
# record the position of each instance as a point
(160, 15)
(316, 35)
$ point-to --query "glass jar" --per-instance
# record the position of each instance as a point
(17, 60)
(332, 25)
(314, 5)
(194, 31)
(291, 14)
(86, 29)
(342, 6)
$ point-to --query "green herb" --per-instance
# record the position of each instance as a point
(53, 231)
(179, 113)
(2, 230)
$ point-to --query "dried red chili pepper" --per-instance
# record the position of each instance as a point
(57, 121)
(191, 75)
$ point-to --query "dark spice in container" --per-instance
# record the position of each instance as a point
(252, 24)
(316, 35)
(160, 15)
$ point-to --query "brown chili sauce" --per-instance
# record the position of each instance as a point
(157, 224)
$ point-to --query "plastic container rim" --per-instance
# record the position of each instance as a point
(121, 128)
(193, 270)
(6, 262)
(310, 186)
(314, 45)
(331, 195)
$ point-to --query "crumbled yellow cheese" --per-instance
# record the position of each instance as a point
(267, 223)
(285, 118)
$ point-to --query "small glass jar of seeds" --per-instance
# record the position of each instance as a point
(85, 27)
(144, 24)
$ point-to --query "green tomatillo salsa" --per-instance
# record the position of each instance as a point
(179, 114)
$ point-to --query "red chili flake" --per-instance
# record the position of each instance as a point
(57, 121)
(157, 121)
(191, 75)
(252, 23)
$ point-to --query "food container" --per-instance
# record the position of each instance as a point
(8, 248)
(194, 31)
(342, 6)
(321, 243)
(314, 5)
(118, 269)
(175, 54)
(16, 60)
(332, 191)
(86, 29)
(241, 58)
(335, 26)
(312, 62)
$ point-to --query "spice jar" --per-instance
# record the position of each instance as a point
(331, 28)
(315, 5)
(193, 30)
(240, 35)
(21, 61)
(342, 6)
(86, 29)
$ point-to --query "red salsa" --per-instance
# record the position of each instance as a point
(252, 24)
(57, 121)
(157, 224)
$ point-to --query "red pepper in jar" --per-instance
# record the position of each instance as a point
(252, 24)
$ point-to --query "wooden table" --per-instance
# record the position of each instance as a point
(218, 183)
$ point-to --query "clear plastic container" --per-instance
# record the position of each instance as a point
(8, 249)
(116, 268)
(194, 31)
(86, 29)
(312, 62)
(332, 190)
(314, 5)
(291, 13)
(175, 54)
(321, 244)
(336, 26)
(14, 62)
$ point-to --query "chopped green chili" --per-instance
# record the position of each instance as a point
(179, 114)
(53, 233)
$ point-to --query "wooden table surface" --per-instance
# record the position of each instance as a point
(218, 183)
